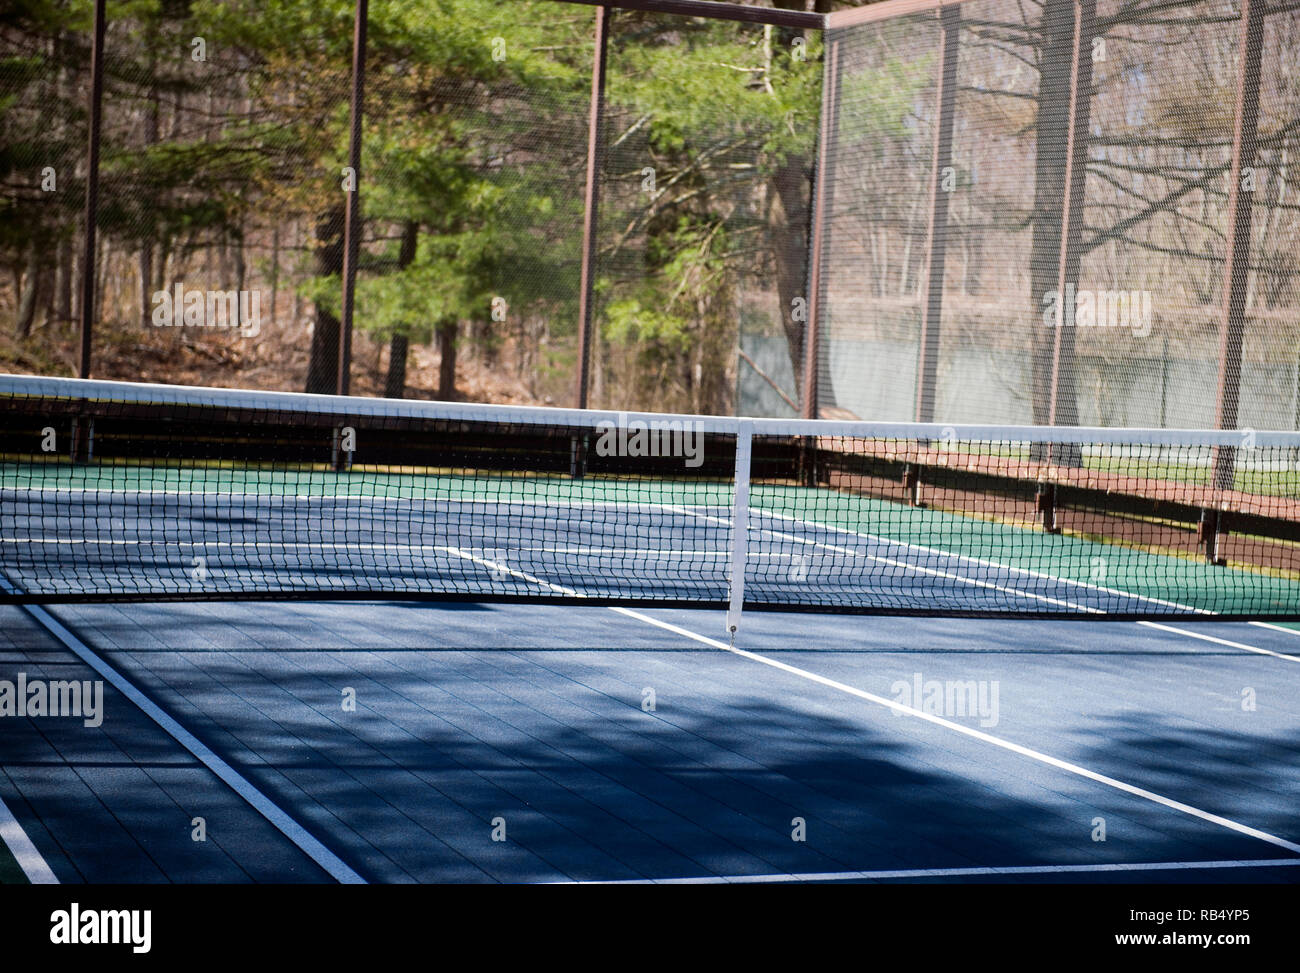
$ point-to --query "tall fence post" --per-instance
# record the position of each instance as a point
(591, 204)
(92, 190)
(352, 214)
(817, 234)
(1076, 175)
(937, 233)
(1236, 271)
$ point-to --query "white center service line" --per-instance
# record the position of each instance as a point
(1016, 748)
(20, 846)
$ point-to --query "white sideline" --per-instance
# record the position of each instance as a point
(24, 852)
(278, 818)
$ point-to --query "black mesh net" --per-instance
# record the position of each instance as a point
(120, 491)
(710, 131)
(1108, 308)
(877, 172)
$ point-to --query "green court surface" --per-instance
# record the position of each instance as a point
(1189, 581)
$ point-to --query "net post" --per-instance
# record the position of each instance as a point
(340, 455)
(740, 526)
(577, 456)
(808, 470)
(83, 439)
(1047, 506)
(912, 485)
(1211, 527)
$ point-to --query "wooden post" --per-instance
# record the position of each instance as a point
(591, 203)
(1236, 271)
(352, 214)
(937, 234)
(92, 190)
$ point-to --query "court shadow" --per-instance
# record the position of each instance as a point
(560, 759)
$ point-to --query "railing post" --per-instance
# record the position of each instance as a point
(1076, 160)
(1236, 271)
(816, 236)
(937, 233)
(352, 214)
(591, 204)
(92, 190)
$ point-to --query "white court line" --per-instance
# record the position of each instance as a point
(25, 853)
(506, 569)
(942, 553)
(263, 497)
(977, 735)
(897, 706)
(920, 873)
(354, 546)
(981, 561)
(1278, 628)
(1219, 641)
(1006, 590)
(282, 822)
(918, 568)
(934, 572)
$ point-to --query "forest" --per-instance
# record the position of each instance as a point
(223, 162)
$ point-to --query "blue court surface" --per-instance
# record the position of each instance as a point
(415, 742)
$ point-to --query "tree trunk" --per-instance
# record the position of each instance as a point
(322, 371)
(45, 288)
(447, 360)
(30, 292)
(275, 270)
(788, 220)
(395, 384)
(297, 295)
(146, 283)
(66, 271)
(399, 346)
(241, 263)
(789, 226)
(151, 122)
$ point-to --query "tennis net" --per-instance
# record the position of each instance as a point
(117, 491)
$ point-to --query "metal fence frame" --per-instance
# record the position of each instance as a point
(1237, 254)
